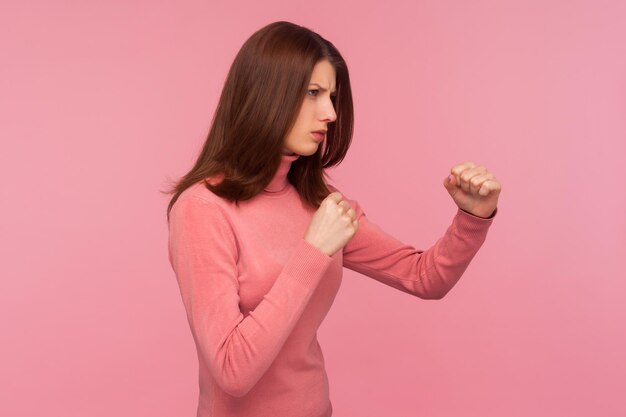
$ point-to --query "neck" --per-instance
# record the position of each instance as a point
(279, 182)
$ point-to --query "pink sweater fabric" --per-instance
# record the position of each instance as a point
(255, 292)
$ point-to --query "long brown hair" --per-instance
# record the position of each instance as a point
(262, 95)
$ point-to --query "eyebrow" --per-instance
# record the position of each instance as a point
(322, 88)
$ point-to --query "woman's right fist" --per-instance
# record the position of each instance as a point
(333, 224)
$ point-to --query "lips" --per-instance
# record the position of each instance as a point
(319, 135)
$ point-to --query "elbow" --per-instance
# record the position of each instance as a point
(426, 290)
(233, 384)
(440, 292)
(232, 380)
(437, 296)
(234, 373)
(429, 295)
(436, 293)
(235, 388)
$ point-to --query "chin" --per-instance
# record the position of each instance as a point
(307, 151)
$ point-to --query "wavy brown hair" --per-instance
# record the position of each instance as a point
(261, 99)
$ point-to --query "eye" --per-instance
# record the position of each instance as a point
(316, 91)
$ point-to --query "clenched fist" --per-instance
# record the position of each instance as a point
(333, 224)
(473, 189)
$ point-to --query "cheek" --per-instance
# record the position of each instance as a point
(307, 115)
(306, 120)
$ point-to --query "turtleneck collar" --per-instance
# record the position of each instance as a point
(279, 182)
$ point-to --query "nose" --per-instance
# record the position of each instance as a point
(328, 112)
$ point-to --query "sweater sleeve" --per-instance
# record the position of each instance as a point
(427, 274)
(203, 254)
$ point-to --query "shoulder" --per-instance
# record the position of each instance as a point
(197, 220)
(197, 198)
(199, 208)
(199, 191)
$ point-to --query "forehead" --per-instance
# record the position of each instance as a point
(324, 74)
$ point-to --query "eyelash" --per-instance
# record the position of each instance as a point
(332, 96)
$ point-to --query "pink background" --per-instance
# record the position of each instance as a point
(101, 102)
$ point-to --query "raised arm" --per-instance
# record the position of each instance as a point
(203, 254)
(428, 274)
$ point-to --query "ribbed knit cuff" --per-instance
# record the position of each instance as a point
(307, 263)
(467, 222)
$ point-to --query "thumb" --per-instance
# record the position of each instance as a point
(448, 181)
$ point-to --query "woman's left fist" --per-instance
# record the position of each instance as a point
(473, 189)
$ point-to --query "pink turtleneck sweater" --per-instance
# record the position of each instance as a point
(255, 292)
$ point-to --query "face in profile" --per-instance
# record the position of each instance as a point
(316, 113)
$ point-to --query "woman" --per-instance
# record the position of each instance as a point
(258, 238)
